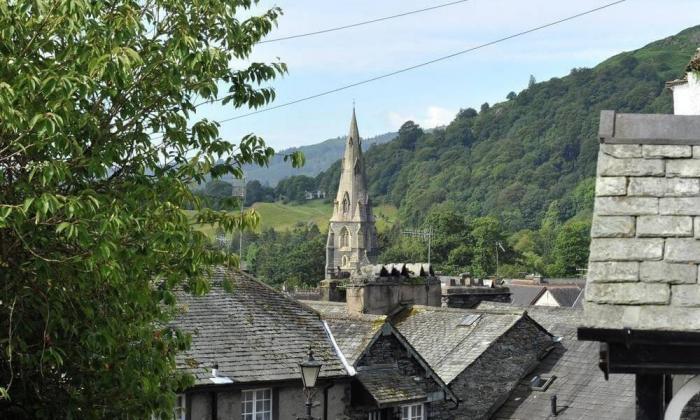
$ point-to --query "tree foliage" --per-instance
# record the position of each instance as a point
(99, 143)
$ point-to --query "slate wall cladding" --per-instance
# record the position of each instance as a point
(645, 237)
(387, 350)
(487, 383)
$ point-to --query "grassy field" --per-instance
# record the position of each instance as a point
(281, 216)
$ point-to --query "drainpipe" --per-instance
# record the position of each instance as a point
(214, 405)
(325, 400)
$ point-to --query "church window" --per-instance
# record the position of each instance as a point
(344, 261)
(346, 203)
(344, 238)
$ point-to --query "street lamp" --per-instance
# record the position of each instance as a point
(309, 373)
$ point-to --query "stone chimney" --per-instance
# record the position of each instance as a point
(381, 289)
(645, 246)
(686, 91)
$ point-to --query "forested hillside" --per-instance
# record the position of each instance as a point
(514, 180)
(513, 159)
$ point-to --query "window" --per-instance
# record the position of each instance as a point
(412, 412)
(541, 383)
(374, 415)
(256, 404)
(180, 409)
(344, 261)
(344, 238)
(346, 203)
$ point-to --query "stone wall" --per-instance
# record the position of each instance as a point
(381, 295)
(470, 297)
(486, 383)
(645, 247)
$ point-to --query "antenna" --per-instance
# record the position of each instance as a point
(421, 234)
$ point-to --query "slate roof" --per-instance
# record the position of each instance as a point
(581, 389)
(451, 339)
(389, 386)
(352, 332)
(254, 333)
(524, 295)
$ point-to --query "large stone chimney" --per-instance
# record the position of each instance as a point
(686, 91)
(642, 293)
(381, 289)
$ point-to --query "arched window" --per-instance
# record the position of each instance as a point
(344, 261)
(346, 203)
(344, 238)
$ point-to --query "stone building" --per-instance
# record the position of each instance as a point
(245, 354)
(411, 354)
(643, 298)
(352, 237)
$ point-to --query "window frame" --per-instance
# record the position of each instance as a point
(411, 416)
(254, 401)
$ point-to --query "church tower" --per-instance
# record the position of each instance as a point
(352, 237)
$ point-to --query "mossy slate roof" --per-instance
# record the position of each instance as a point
(437, 334)
(443, 338)
(254, 333)
(352, 332)
(582, 391)
(389, 386)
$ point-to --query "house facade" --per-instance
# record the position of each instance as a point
(246, 347)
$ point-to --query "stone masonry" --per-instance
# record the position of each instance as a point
(645, 246)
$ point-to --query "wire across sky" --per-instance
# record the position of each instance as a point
(425, 63)
(366, 22)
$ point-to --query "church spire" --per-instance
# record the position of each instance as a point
(351, 235)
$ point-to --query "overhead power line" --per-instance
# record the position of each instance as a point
(423, 64)
(367, 22)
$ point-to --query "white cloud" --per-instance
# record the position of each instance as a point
(438, 116)
(433, 116)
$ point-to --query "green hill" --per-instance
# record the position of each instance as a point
(281, 216)
(319, 157)
(513, 159)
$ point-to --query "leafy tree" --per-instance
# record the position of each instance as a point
(511, 96)
(571, 248)
(531, 82)
(484, 107)
(488, 234)
(98, 147)
(295, 257)
(258, 193)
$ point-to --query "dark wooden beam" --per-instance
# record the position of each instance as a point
(649, 397)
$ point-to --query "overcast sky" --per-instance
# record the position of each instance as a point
(432, 95)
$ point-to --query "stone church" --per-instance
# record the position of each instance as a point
(352, 237)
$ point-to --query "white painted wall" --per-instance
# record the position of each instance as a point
(686, 97)
(546, 300)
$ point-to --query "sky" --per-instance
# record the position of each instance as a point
(432, 95)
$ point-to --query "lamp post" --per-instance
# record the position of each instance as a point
(309, 373)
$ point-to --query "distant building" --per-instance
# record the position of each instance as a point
(643, 298)
(352, 237)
